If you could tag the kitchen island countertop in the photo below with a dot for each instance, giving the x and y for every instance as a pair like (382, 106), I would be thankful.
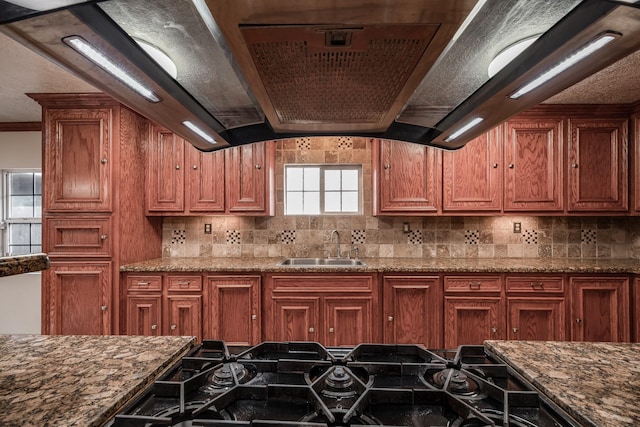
(78, 380)
(596, 383)
(414, 265)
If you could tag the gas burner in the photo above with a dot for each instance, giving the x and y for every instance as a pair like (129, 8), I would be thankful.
(223, 377)
(339, 383)
(459, 384)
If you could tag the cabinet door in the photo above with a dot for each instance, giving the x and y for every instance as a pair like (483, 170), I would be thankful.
(234, 310)
(184, 315)
(533, 176)
(347, 321)
(600, 309)
(79, 298)
(472, 175)
(472, 320)
(248, 176)
(413, 310)
(165, 173)
(598, 167)
(295, 319)
(144, 314)
(77, 160)
(205, 180)
(541, 319)
(78, 237)
(407, 178)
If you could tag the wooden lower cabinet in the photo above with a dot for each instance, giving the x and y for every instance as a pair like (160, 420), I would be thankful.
(232, 306)
(332, 309)
(536, 319)
(78, 298)
(144, 314)
(412, 310)
(599, 308)
(471, 320)
(184, 315)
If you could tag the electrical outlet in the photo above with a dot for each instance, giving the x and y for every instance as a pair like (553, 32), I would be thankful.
(517, 227)
(207, 229)
(405, 227)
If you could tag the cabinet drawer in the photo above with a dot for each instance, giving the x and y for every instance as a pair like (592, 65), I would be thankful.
(537, 284)
(144, 283)
(472, 284)
(79, 237)
(184, 283)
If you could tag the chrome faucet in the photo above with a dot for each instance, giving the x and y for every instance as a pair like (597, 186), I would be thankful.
(331, 241)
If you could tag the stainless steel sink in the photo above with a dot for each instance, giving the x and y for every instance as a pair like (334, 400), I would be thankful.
(322, 262)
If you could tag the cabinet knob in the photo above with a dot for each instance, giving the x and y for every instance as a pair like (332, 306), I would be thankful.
(195, 167)
(495, 165)
(578, 320)
(312, 330)
(494, 330)
(177, 167)
(574, 165)
(387, 166)
(390, 318)
(103, 237)
(103, 161)
(254, 317)
(173, 327)
(103, 308)
(154, 327)
(258, 167)
(475, 285)
(515, 330)
(331, 330)
(511, 165)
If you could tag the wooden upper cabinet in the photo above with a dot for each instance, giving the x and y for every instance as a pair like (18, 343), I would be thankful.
(165, 172)
(249, 171)
(205, 183)
(406, 178)
(598, 165)
(533, 157)
(77, 161)
(472, 175)
(634, 137)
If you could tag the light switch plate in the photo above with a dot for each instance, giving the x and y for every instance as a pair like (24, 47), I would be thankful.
(517, 227)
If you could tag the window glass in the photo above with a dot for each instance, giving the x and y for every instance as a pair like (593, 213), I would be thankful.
(21, 212)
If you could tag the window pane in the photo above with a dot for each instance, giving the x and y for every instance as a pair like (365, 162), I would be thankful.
(332, 180)
(36, 234)
(37, 186)
(20, 234)
(21, 207)
(311, 179)
(294, 203)
(19, 250)
(21, 183)
(332, 201)
(350, 201)
(350, 180)
(294, 179)
(312, 203)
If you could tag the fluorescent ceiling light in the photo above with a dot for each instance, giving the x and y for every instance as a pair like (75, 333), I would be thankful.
(463, 129)
(97, 57)
(42, 5)
(509, 54)
(161, 58)
(578, 56)
(200, 132)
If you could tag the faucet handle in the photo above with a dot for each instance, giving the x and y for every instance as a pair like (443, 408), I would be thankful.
(328, 252)
(354, 249)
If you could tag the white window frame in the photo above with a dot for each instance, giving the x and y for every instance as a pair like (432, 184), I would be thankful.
(5, 221)
(323, 168)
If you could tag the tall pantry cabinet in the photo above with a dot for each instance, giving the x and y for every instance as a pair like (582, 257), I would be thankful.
(94, 153)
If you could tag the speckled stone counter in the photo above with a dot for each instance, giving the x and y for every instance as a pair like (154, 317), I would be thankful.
(596, 383)
(78, 380)
(454, 265)
(10, 266)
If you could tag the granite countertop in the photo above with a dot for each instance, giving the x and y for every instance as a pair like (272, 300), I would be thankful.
(421, 265)
(596, 383)
(20, 264)
(78, 380)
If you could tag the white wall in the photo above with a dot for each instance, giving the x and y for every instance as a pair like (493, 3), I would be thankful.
(20, 296)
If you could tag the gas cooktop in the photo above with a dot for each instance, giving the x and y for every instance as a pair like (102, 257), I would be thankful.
(306, 384)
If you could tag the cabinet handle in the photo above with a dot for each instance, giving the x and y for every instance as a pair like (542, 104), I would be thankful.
(537, 285)
(154, 327)
(574, 165)
(195, 167)
(312, 330)
(494, 330)
(515, 330)
(331, 330)
(578, 320)
(387, 166)
(254, 317)
(103, 237)
(511, 165)
(258, 167)
(390, 318)
(140, 283)
(177, 167)
(495, 165)
(173, 327)
(103, 161)
(184, 282)
(475, 285)
(103, 307)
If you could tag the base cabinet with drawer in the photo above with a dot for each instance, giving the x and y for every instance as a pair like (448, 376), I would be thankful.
(332, 309)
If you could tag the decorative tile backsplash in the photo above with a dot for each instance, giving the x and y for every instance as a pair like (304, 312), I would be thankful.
(429, 237)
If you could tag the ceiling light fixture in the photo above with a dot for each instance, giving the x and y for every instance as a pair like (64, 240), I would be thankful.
(41, 5)
(98, 58)
(199, 132)
(160, 57)
(588, 49)
(463, 129)
(509, 54)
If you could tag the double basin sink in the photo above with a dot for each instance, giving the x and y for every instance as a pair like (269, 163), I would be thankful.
(321, 262)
